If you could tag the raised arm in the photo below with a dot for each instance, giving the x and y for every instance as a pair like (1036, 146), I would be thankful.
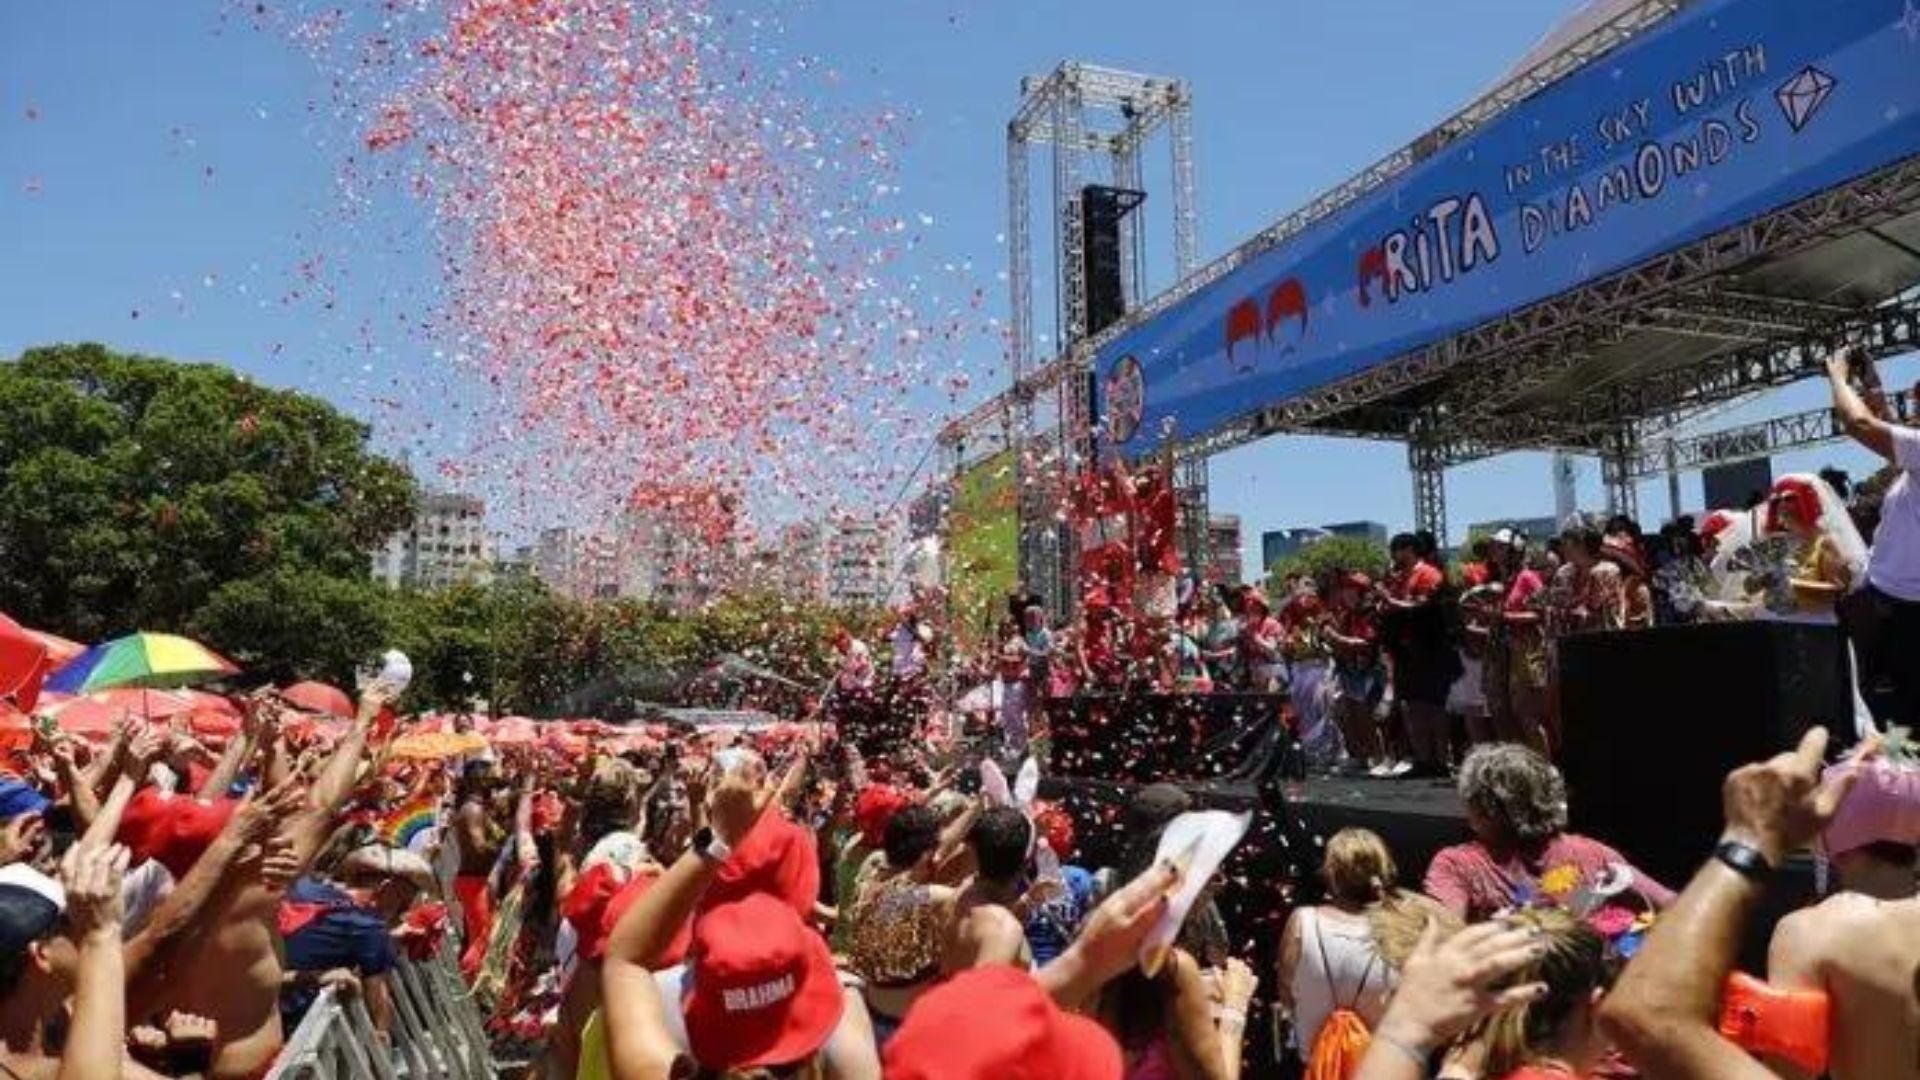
(1869, 430)
(193, 898)
(637, 1045)
(309, 829)
(97, 1030)
(1664, 1011)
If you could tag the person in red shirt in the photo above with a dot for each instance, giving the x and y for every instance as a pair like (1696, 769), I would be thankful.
(1359, 681)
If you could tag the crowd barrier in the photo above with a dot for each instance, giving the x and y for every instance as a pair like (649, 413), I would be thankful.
(437, 1032)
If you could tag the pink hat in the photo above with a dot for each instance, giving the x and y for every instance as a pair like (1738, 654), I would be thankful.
(1884, 805)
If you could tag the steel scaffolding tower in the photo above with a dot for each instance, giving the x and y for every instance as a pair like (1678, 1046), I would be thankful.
(1098, 123)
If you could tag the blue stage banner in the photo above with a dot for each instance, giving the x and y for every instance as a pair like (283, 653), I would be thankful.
(1731, 109)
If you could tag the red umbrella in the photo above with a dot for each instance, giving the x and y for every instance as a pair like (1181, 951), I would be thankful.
(513, 731)
(153, 704)
(213, 724)
(59, 649)
(23, 667)
(319, 698)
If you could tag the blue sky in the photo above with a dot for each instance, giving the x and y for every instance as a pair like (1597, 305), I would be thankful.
(162, 180)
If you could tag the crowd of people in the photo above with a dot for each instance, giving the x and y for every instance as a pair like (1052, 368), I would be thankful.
(733, 904)
(786, 903)
(1399, 676)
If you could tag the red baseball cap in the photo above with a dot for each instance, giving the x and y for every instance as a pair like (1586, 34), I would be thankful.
(761, 989)
(776, 856)
(995, 1023)
(174, 830)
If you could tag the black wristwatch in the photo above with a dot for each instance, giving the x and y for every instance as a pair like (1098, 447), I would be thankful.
(1744, 859)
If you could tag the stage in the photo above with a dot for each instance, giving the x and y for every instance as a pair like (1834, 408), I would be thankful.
(1416, 817)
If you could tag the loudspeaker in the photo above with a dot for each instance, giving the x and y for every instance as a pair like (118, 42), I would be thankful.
(1653, 720)
(1101, 209)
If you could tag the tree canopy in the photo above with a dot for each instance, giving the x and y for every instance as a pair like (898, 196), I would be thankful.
(1329, 554)
(141, 494)
(134, 489)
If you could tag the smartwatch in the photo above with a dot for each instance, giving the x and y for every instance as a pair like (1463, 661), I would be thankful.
(708, 845)
(1743, 859)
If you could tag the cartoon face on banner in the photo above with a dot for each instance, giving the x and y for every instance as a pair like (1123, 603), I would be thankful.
(1728, 110)
(1126, 396)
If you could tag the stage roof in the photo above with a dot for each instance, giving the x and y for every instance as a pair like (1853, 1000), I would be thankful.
(1811, 238)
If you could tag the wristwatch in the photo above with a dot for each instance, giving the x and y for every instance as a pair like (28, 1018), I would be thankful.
(1744, 859)
(708, 845)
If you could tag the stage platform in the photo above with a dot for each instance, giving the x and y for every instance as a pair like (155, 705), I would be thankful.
(1416, 817)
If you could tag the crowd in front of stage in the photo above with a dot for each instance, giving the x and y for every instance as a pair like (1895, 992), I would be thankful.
(775, 904)
(752, 906)
(1397, 676)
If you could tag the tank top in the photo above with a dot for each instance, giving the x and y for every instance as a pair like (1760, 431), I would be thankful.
(1339, 968)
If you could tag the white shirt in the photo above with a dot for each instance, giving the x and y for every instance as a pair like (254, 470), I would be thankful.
(1894, 565)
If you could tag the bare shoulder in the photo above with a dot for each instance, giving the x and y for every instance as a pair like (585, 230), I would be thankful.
(1804, 941)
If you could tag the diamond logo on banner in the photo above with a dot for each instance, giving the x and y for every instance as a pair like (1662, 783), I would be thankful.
(1802, 96)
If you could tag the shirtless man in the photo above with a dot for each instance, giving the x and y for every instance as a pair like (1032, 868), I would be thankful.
(478, 841)
(228, 970)
(1663, 1012)
(1862, 945)
(989, 914)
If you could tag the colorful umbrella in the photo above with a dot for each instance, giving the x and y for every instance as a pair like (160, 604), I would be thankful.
(320, 699)
(140, 660)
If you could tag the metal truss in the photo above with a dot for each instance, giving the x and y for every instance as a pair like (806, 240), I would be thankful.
(1092, 117)
(1667, 399)
(1196, 540)
(1426, 460)
(1623, 496)
(1765, 439)
(1604, 39)
(1531, 348)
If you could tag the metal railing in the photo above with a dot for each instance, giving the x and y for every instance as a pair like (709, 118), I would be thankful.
(437, 1032)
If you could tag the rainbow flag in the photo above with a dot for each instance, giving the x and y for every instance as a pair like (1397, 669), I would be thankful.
(419, 813)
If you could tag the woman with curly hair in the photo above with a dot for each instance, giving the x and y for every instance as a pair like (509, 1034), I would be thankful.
(1521, 853)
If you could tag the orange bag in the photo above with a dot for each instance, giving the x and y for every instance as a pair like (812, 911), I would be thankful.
(1339, 1047)
(1792, 1025)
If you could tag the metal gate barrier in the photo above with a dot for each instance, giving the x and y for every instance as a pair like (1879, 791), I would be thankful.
(437, 1032)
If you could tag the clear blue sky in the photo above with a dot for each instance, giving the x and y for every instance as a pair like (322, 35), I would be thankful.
(156, 160)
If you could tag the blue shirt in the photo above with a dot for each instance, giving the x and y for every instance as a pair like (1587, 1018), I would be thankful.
(336, 933)
(1052, 925)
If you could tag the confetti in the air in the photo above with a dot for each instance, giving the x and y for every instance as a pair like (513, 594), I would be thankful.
(662, 257)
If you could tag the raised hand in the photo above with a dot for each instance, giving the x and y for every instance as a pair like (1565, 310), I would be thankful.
(261, 812)
(1780, 805)
(279, 864)
(144, 750)
(91, 876)
(1447, 987)
(736, 803)
(1109, 943)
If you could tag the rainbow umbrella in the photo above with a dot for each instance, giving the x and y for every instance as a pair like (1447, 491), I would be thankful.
(140, 660)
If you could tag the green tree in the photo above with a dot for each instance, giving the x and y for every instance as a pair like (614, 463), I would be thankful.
(1326, 555)
(295, 623)
(134, 491)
